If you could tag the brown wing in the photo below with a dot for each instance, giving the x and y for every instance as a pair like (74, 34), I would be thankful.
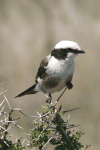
(42, 70)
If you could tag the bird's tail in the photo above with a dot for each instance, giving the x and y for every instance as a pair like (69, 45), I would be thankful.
(30, 90)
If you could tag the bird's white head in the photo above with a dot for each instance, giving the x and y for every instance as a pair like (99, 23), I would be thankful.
(67, 44)
(66, 49)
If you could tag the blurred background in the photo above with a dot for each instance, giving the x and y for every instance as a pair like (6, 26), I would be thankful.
(29, 30)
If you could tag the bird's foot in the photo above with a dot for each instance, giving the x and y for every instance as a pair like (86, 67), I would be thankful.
(48, 100)
(69, 85)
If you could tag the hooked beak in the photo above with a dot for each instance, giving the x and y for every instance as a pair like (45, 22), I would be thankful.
(81, 51)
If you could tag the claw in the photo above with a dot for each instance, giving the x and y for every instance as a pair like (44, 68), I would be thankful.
(69, 85)
(49, 98)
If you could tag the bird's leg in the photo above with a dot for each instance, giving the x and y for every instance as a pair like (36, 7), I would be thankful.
(60, 96)
(69, 85)
(49, 98)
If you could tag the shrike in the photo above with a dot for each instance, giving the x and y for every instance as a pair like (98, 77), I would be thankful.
(56, 70)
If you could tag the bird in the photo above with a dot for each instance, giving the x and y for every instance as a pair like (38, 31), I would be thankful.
(56, 70)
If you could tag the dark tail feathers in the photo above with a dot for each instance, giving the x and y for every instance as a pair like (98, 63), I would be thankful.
(28, 91)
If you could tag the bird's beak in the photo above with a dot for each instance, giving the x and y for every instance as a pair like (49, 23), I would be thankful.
(78, 51)
(81, 51)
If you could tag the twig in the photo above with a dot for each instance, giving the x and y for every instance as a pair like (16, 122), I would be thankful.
(18, 125)
(22, 113)
(2, 83)
(7, 102)
(38, 113)
(2, 110)
(43, 106)
(34, 128)
(66, 136)
(41, 133)
(24, 141)
(72, 127)
(9, 129)
(43, 115)
(49, 140)
(26, 134)
(2, 128)
(87, 146)
(70, 110)
(7, 121)
(51, 127)
(17, 109)
(16, 118)
(9, 137)
(2, 102)
(3, 92)
(6, 143)
(60, 96)
(67, 120)
(33, 116)
(59, 109)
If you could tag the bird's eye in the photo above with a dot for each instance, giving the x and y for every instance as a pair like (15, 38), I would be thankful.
(69, 49)
(64, 50)
(58, 51)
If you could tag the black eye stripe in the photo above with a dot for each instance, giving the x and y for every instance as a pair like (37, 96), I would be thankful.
(64, 51)
(69, 49)
(59, 53)
(73, 50)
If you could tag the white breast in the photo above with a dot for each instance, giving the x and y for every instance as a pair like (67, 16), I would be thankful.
(57, 69)
(60, 68)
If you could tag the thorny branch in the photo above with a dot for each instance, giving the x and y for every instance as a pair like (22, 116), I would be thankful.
(7, 120)
(43, 119)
